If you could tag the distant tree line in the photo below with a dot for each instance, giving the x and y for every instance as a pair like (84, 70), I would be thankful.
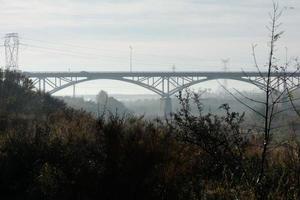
(102, 106)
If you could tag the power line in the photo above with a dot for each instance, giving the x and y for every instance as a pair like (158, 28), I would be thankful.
(111, 50)
(96, 56)
(108, 58)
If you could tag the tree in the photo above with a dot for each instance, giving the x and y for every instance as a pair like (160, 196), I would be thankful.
(101, 99)
(275, 91)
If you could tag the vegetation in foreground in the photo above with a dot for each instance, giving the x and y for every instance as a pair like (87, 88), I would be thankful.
(50, 151)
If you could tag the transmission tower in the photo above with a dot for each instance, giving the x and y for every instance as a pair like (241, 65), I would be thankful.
(225, 69)
(11, 44)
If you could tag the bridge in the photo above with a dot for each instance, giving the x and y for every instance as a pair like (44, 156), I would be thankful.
(165, 84)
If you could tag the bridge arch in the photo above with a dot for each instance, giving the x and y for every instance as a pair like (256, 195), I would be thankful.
(153, 89)
(156, 90)
(246, 80)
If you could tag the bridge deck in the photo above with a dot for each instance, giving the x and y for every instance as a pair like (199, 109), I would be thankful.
(154, 74)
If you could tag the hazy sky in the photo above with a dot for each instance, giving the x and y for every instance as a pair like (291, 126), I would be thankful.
(191, 34)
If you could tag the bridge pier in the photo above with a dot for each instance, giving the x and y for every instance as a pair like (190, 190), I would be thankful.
(166, 106)
(285, 97)
(74, 95)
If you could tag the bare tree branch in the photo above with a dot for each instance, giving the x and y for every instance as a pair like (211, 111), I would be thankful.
(246, 97)
(240, 101)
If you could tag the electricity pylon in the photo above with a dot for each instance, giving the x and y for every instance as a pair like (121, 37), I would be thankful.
(11, 44)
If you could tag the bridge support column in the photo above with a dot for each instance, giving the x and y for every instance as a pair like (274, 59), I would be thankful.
(44, 85)
(285, 97)
(74, 91)
(40, 84)
(166, 106)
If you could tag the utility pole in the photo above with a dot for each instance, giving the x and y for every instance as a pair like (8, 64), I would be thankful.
(130, 47)
(225, 69)
(11, 44)
(173, 68)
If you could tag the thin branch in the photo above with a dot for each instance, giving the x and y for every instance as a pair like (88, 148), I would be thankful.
(293, 105)
(256, 63)
(289, 99)
(250, 99)
(286, 109)
(254, 83)
(240, 101)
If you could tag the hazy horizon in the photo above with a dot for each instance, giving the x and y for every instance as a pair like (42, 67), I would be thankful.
(77, 35)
